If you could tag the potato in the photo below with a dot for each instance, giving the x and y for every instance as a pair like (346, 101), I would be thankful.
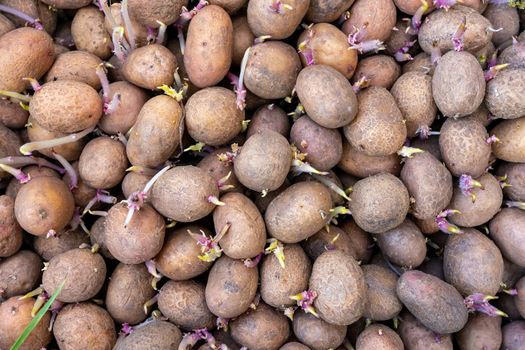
(97, 235)
(132, 99)
(411, 6)
(15, 316)
(379, 203)
(511, 134)
(44, 205)
(264, 161)
(231, 287)
(220, 170)
(84, 326)
(513, 335)
(67, 4)
(468, 154)
(279, 23)
(12, 115)
(379, 70)
(129, 288)
(417, 337)
(328, 238)
(231, 6)
(484, 53)
(421, 63)
(66, 106)
(520, 298)
(331, 180)
(75, 65)
(294, 346)
(455, 72)
(316, 333)
(361, 240)
(178, 258)
(150, 67)
(337, 106)
(29, 53)
(158, 334)
(269, 117)
(402, 38)
(329, 46)
(513, 55)
(140, 240)
(183, 193)
(34, 9)
(501, 98)
(134, 181)
(378, 129)
(82, 193)
(505, 231)
(33, 171)
(512, 273)
(481, 115)
(10, 230)
(157, 132)
(139, 31)
(378, 17)
(298, 212)
(487, 204)
(504, 17)
(209, 46)
(436, 304)
(379, 337)
(242, 34)
(362, 165)
(89, 33)
(515, 177)
(481, 331)
(5, 25)
(507, 304)
(381, 302)
(149, 13)
(50, 247)
(430, 184)
(19, 274)
(441, 25)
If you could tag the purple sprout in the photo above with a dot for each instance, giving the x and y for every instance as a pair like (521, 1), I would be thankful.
(417, 19)
(445, 226)
(35, 85)
(101, 196)
(210, 249)
(110, 105)
(515, 204)
(15, 12)
(467, 185)
(369, 46)
(493, 70)
(480, 302)
(190, 339)
(17, 173)
(402, 54)
(360, 84)
(28, 148)
(73, 177)
(127, 22)
(278, 7)
(185, 18)
(425, 132)
(29, 160)
(305, 300)
(445, 4)
(457, 38)
(238, 82)
(492, 139)
(151, 266)
(126, 329)
(305, 50)
(222, 323)
(253, 262)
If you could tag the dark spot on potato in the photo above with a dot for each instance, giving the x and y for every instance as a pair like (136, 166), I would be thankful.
(231, 287)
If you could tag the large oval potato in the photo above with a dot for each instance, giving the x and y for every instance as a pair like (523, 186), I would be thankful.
(504, 17)
(149, 13)
(382, 302)
(503, 99)
(506, 231)
(378, 17)
(278, 23)
(89, 32)
(511, 134)
(157, 334)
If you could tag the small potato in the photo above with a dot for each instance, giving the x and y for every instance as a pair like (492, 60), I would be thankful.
(381, 302)
(97, 235)
(140, 240)
(481, 331)
(150, 13)
(328, 238)
(421, 63)
(379, 337)
(150, 67)
(513, 335)
(12, 115)
(50, 247)
(504, 17)
(129, 288)
(82, 193)
(178, 258)
(361, 240)
(298, 212)
(378, 17)
(379, 203)
(272, 69)
(513, 55)
(487, 203)
(44, 205)
(511, 134)
(10, 230)
(458, 84)
(515, 177)
(19, 274)
(242, 35)
(134, 181)
(279, 283)
(67, 4)
(66, 106)
(84, 326)
(89, 33)
(184, 304)
(411, 6)
(221, 172)
(231, 287)
(231, 6)
(506, 231)
(418, 337)
(316, 333)
(294, 346)
(24, 52)
(430, 184)
(502, 98)
(209, 46)
(158, 334)
(436, 304)
(279, 24)
(75, 65)
(378, 70)
(362, 165)
(338, 105)
(269, 117)
(401, 39)
(183, 193)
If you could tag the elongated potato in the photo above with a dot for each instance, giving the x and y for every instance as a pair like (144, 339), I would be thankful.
(505, 229)
(403, 245)
(75, 65)
(382, 302)
(378, 17)
(89, 33)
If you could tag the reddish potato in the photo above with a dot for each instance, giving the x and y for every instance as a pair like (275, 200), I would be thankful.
(513, 335)
(481, 331)
(362, 165)
(418, 337)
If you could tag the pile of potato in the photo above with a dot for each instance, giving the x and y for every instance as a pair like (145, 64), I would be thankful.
(263, 174)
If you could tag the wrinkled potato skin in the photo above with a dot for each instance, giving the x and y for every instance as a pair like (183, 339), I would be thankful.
(507, 84)
(10, 230)
(417, 337)
(515, 173)
(379, 337)
(269, 117)
(209, 46)
(50, 247)
(75, 65)
(403, 245)
(511, 133)
(381, 302)
(89, 33)
(160, 335)
(27, 52)
(480, 332)
(379, 70)
(19, 274)
(316, 333)
(279, 26)
(505, 230)
(150, 67)
(327, 11)
(378, 16)
(149, 12)
(328, 238)
(362, 165)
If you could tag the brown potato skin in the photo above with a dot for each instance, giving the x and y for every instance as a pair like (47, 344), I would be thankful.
(89, 33)
(328, 238)
(379, 70)
(269, 117)
(505, 231)
(209, 44)
(10, 230)
(19, 274)
(295, 214)
(513, 335)
(12, 115)
(513, 55)
(33, 171)
(316, 333)
(294, 346)
(231, 287)
(327, 11)
(515, 173)
(158, 334)
(481, 331)
(82, 193)
(98, 236)
(420, 63)
(436, 304)
(411, 6)
(27, 52)
(231, 6)
(504, 17)
(5, 25)
(242, 36)
(278, 283)
(381, 302)
(338, 105)
(84, 326)
(362, 165)
(9, 146)
(75, 65)
(150, 67)
(379, 17)
(508, 83)
(430, 145)
(278, 25)
(66, 106)
(67, 4)
(361, 240)
(148, 13)
(129, 288)
(417, 337)
(48, 248)
(219, 170)
(379, 337)
(135, 182)
(178, 258)
(512, 136)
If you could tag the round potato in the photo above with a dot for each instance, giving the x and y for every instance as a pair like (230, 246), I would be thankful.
(150, 67)
(89, 32)
(12, 115)
(514, 55)
(161, 335)
(75, 65)
(378, 17)
(377, 70)
(480, 331)
(280, 22)
(379, 337)
(32, 171)
(511, 134)
(83, 193)
(269, 117)
(10, 230)
(505, 231)
(381, 303)
(404, 245)
(329, 238)
(48, 248)
(418, 337)
(502, 98)
(19, 274)
(316, 333)
(362, 165)
(504, 17)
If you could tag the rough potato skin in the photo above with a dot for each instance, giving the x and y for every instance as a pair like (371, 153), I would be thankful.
(421, 63)
(417, 337)
(278, 283)
(515, 173)
(231, 287)
(261, 329)
(84, 326)
(480, 332)
(328, 238)
(429, 182)
(150, 66)
(148, 13)
(159, 335)
(378, 129)
(67, 4)
(503, 99)
(327, 10)
(19, 274)
(269, 117)
(404, 245)
(298, 212)
(134, 182)
(33, 171)
(411, 6)
(513, 335)
(89, 33)
(327, 96)
(129, 288)
(316, 333)
(379, 337)
(184, 303)
(47, 248)
(272, 69)
(362, 165)
(181, 193)
(463, 147)
(381, 302)
(242, 35)
(279, 26)
(380, 70)
(66, 106)
(24, 52)
(10, 230)
(511, 134)
(378, 16)
(98, 236)
(209, 46)
(379, 203)
(436, 304)
(458, 84)
(506, 231)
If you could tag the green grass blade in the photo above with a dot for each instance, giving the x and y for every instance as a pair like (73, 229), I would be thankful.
(27, 331)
